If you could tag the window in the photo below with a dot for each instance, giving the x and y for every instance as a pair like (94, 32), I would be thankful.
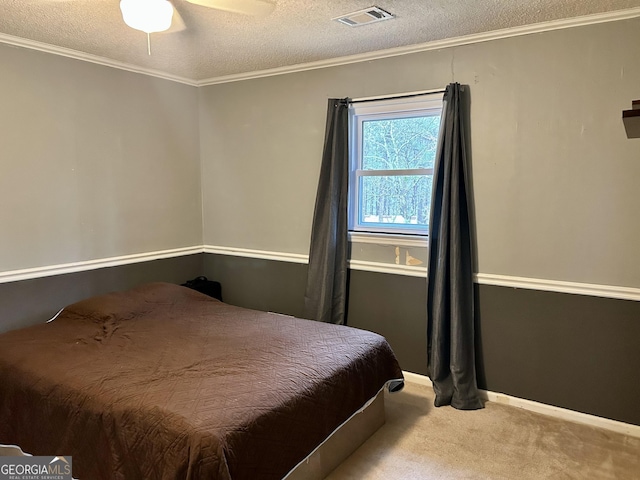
(392, 154)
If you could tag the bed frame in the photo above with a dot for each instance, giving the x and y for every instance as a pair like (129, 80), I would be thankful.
(345, 440)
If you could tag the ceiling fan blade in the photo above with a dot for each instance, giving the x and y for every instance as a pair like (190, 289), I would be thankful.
(177, 22)
(246, 7)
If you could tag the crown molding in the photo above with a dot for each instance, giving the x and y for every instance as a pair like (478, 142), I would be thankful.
(87, 57)
(584, 20)
(434, 45)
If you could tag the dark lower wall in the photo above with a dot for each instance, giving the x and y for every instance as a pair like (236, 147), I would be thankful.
(572, 351)
(259, 284)
(28, 302)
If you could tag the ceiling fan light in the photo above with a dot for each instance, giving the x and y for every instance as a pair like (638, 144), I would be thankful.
(147, 15)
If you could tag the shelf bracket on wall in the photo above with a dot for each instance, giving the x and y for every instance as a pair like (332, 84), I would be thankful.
(631, 119)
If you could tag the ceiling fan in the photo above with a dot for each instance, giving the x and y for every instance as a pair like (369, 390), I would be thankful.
(152, 16)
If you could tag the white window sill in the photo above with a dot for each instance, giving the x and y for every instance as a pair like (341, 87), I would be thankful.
(389, 239)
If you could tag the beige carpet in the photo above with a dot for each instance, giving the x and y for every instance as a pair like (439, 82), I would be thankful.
(420, 441)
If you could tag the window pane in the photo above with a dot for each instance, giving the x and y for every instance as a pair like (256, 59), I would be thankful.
(400, 200)
(400, 143)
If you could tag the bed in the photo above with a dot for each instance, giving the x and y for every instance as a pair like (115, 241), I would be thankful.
(164, 382)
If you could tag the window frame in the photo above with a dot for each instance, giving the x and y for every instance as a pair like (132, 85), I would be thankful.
(383, 109)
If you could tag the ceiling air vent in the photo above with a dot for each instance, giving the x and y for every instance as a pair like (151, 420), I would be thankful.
(364, 17)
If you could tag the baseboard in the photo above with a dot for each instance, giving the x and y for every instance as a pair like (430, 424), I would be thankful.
(542, 408)
(417, 379)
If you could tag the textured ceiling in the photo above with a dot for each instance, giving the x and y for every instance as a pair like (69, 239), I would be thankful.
(218, 43)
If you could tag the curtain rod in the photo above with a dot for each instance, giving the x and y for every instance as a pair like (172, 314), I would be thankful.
(393, 97)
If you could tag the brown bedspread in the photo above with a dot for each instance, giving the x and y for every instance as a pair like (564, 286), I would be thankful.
(164, 382)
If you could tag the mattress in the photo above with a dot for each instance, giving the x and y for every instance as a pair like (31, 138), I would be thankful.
(164, 382)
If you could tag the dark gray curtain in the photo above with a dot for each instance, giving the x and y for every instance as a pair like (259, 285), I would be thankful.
(450, 305)
(326, 294)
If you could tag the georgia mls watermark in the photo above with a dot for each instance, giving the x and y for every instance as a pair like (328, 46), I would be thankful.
(35, 468)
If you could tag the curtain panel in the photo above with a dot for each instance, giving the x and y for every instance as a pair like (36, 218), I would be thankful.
(450, 298)
(326, 292)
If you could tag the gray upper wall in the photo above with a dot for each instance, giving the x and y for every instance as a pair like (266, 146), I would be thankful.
(94, 162)
(555, 178)
(97, 162)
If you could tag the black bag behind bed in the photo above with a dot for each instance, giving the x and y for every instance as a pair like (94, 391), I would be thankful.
(206, 286)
